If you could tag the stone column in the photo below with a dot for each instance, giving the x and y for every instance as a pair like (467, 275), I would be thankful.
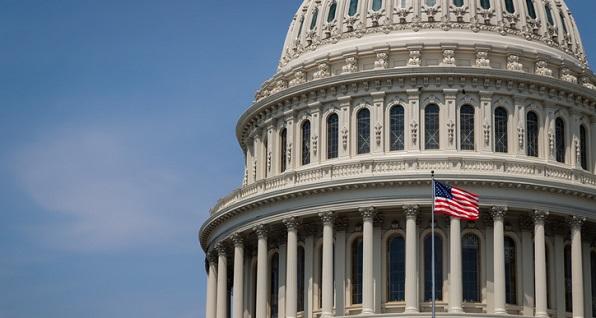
(587, 262)
(327, 270)
(340, 267)
(540, 264)
(211, 287)
(576, 266)
(455, 274)
(368, 215)
(308, 274)
(527, 265)
(498, 214)
(411, 257)
(238, 276)
(292, 268)
(262, 274)
(222, 282)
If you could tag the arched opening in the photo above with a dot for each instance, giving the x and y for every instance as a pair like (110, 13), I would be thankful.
(560, 140)
(532, 134)
(531, 9)
(485, 4)
(353, 8)
(471, 268)
(274, 286)
(332, 136)
(501, 129)
(363, 140)
(397, 128)
(428, 264)
(306, 142)
(332, 12)
(377, 5)
(431, 127)
(396, 269)
(467, 127)
(283, 149)
(300, 286)
(510, 271)
(357, 263)
(583, 144)
(568, 280)
(509, 6)
(313, 21)
(458, 3)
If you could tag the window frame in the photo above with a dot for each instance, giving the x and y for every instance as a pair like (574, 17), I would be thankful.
(332, 136)
(436, 135)
(501, 130)
(397, 128)
(305, 136)
(560, 140)
(467, 128)
(533, 133)
(363, 131)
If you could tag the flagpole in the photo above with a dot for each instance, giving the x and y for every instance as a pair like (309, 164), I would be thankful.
(433, 245)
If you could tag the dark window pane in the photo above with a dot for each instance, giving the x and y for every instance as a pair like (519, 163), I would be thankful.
(560, 140)
(274, 279)
(458, 3)
(563, 22)
(532, 134)
(283, 158)
(509, 6)
(363, 131)
(501, 136)
(431, 3)
(485, 4)
(431, 127)
(396, 136)
(428, 268)
(471, 268)
(549, 15)
(583, 144)
(510, 271)
(301, 27)
(300, 300)
(568, 280)
(531, 9)
(332, 11)
(377, 4)
(306, 143)
(353, 9)
(396, 269)
(357, 271)
(593, 263)
(467, 127)
(332, 136)
(313, 21)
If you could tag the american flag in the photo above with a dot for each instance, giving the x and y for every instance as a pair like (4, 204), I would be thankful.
(456, 202)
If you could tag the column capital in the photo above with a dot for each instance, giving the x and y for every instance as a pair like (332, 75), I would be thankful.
(221, 249)
(368, 214)
(540, 216)
(212, 257)
(261, 231)
(327, 217)
(411, 211)
(576, 222)
(498, 212)
(238, 240)
(291, 223)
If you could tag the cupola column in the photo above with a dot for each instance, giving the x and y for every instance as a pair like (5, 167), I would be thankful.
(262, 266)
(222, 282)
(327, 270)
(577, 279)
(540, 264)
(368, 215)
(411, 280)
(292, 267)
(455, 273)
(498, 213)
(211, 286)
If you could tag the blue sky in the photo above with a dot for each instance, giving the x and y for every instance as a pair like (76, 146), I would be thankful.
(117, 129)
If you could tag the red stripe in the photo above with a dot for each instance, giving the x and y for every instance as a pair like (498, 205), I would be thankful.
(472, 196)
(464, 197)
(446, 206)
(458, 204)
(453, 205)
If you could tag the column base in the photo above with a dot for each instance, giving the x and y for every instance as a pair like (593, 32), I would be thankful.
(367, 312)
(541, 315)
(456, 310)
(411, 310)
(500, 312)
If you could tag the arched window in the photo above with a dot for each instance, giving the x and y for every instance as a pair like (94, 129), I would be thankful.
(428, 268)
(377, 5)
(266, 149)
(313, 21)
(458, 3)
(467, 127)
(363, 119)
(568, 280)
(357, 271)
(485, 4)
(560, 140)
(283, 149)
(531, 9)
(353, 8)
(593, 265)
(332, 12)
(300, 287)
(501, 128)
(583, 145)
(332, 136)
(532, 134)
(510, 271)
(306, 142)
(401, 4)
(301, 27)
(549, 15)
(471, 268)
(431, 127)
(509, 6)
(563, 22)
(396, 124)
(396, 269)
(431, 3)
(274, 287)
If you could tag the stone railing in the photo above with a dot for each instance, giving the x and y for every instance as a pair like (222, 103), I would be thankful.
(409, 167)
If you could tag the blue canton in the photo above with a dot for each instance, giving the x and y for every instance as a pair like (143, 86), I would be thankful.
(442, 190)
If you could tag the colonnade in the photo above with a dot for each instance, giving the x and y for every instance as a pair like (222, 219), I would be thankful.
(217, 289)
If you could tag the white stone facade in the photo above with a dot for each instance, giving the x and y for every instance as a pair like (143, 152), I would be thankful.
(333, 215)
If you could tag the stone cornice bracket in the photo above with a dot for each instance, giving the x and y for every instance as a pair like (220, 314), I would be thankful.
(540, 216)
(498, 212)
(327, 217)
(368, 214)
(411, 211)
(237, 239)
(261, 231)
(221, 249)
(291, 223)
(576, 222)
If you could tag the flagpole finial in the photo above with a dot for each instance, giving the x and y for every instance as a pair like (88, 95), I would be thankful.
(432, 173)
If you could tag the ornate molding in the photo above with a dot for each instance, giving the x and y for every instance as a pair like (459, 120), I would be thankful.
(261, 230)
(540, 216)
(291, 223)
(368, 214)
(576, 222)
(498, 213)
(327, 217)
(411, 211)
(238, 240)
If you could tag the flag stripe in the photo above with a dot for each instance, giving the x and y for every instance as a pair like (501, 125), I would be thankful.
(456, 202)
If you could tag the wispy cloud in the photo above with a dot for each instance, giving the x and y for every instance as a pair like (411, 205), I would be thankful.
(106, 190)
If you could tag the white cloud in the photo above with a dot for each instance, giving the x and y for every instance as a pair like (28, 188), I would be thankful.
(106, 191)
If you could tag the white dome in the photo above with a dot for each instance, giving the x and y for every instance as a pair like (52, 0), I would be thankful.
(336, 27)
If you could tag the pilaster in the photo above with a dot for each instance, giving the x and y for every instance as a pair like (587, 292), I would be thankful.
(451, 109)
(486, 123)
(345, 121)
(377, 122)
(413, 134)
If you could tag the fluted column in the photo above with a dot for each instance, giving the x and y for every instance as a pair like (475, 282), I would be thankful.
(211, 287)
(411, 263)
(222, 282)
(540, 264)
(262, 267)
(368, 215)
(455, 274)
(238, 276)
(292, 268)
(577, 279)
(498, 214)
(327, 270)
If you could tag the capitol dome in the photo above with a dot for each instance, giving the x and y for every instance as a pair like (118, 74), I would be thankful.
(333, 217)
